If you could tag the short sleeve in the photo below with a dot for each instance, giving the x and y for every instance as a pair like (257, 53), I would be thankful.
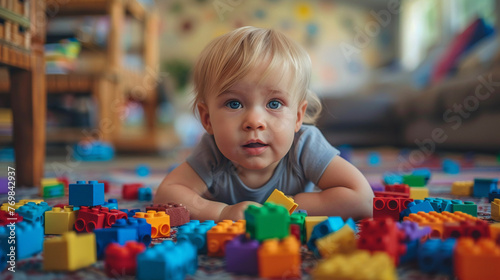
(205, 158)
(314, 152)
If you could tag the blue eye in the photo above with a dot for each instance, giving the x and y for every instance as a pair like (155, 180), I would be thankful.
(275, 104)
(233, 104)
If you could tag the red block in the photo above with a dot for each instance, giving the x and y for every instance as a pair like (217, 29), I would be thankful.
(106, 186)
(89, 219)
(111, 216)
(178, 213)
(400, 188)
(391, 194)
(295, 231)
(475, 230)
(6, 218)
(382, 235)
(389, 207)
(122, 260)
(131, 191)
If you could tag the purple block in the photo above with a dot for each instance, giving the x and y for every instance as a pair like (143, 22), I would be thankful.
(413, 231)
(241, 256)
(377, 187)
(4, 182)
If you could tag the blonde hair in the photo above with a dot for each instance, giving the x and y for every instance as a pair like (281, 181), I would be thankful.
(231, 56)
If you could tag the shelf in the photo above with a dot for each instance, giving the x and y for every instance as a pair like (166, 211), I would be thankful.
(9, 15)
(73, 83)
(65, 135)
(94, 7)
(13, 56)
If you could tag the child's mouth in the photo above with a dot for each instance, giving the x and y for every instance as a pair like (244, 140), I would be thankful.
(254, 145)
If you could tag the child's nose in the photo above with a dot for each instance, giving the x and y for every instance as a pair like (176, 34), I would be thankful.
(254, 120)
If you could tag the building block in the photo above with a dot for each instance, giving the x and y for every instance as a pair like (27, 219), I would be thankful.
(468, 207)
(462, 188)
(425, 172)
(399, 188)
(107, 186)
(414, 180)
(436, 256)
(359, 265)
(377, 187)
(495, 209)
(482, 187)
(89, 219)
(4, 185)
(167, 261)
(382, 235)
(311, 222)
(391, 194)
(342, 241)
(493, 194)
(296, 231)
(391, 178)
(436, 220)
(450, 166)
(34, 213)
(330, 225)
(219, 235)
(241, 256)
(474, 229)
(131, 213)
(414, 234)
(131, 191)
(268, 221)
(93, 151)
(476, 260)
(122, 260)
(299, 219)
(374, 159)
(69, 252)
(419, 192)
(389, 207)
(142, 170)
(196, 233)
(159, 221)
(143, 229)
(145, 194)
(179, 214)
(279, 259)
(60, 220)
(279, 198)
(86, 194)
(495, 233)
(415, 207)
(52, 187)
(106, 236)
(6, 218)
(111, 204)
(28, 239)
(7, 207)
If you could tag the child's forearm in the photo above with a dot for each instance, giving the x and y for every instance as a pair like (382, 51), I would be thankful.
(200, 208)
(337, 201)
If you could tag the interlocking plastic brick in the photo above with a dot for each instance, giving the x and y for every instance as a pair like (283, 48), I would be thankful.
(145, 194)
(342, 241)
(111, 204)
(60, 220)
(196, 233)
(398, 188)
(241, 256)
(7, 207)
(414, 234)
(159, 221)
(28, 239)
(391, 178)
(493, 194)
(122, 260)
(436, 256)
(34, 213)
(425, 172)
(332, 224)
(417, 206)
(6, 218)
(52, 187)
(495, 232)
(106, 236)
(131, 191)
(476, 260)
(462, 188)
(474, 229)
(268, 221)
(69, 252)
(279, 259)
(219, 235)
(384, 207)
(482, 186)
(436, 220)
(89, 219)
(450, 166)
(359, 265)
(468, 207)
(495, 209)
(86, 194)
(414, 180)
(439, 205)
(311, 222)
(167, 261)
(179, 214)
(279, 198)
(131, 212)
(419, 192)
(382, 235)
(299, 219)
(391, 194)
(143, 229)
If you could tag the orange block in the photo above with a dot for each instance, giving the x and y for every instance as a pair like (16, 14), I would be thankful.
(219, 235)
(159, 221)
(436, 220)
(280, 259)
(476, 260)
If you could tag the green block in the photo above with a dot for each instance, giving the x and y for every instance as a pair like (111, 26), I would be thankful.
(53, 191)
(414, 180)
(300, 219)
(266, 222)
(468, 207)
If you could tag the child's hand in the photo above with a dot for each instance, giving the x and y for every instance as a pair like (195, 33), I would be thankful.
(235, 212)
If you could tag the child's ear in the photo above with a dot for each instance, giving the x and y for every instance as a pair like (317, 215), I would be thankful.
(205, 117)
(300, 115)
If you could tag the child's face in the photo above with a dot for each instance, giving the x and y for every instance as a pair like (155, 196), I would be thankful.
(254, 123)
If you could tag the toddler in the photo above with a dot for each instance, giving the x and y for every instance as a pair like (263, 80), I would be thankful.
(251, 93)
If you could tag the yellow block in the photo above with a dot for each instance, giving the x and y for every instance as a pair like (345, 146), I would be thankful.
(463, 188)
(359, 265)
(59, 221)
(419, 192)
(24, 201)
(495, 209)
(495, 231)
(342, 241)
(50, 182)
(278, 197)
(6, 206)
(311, 222)
(69, 251)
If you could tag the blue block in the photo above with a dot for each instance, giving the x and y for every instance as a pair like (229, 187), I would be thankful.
(391, 178)
(142, 170)
(106, 236)
(3, 259)
(93, 151)
(145, 194)
(426, 172)
(130, 213)
(415, 207)
(451, 166)
(33, 212)
(332, 224)
(196, 233)
(483, 187)
(111, 204)
(143, 229)
(436, 256)
(28, 236)
(86, 194)
(167, 261)
(440, 205)
(374, 158)
(7, 155)
(300, 211)
(493, 194)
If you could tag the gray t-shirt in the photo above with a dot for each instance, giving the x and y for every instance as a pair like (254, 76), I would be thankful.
(298, 171)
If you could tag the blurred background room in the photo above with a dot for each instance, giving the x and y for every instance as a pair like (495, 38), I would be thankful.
(392, 74)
